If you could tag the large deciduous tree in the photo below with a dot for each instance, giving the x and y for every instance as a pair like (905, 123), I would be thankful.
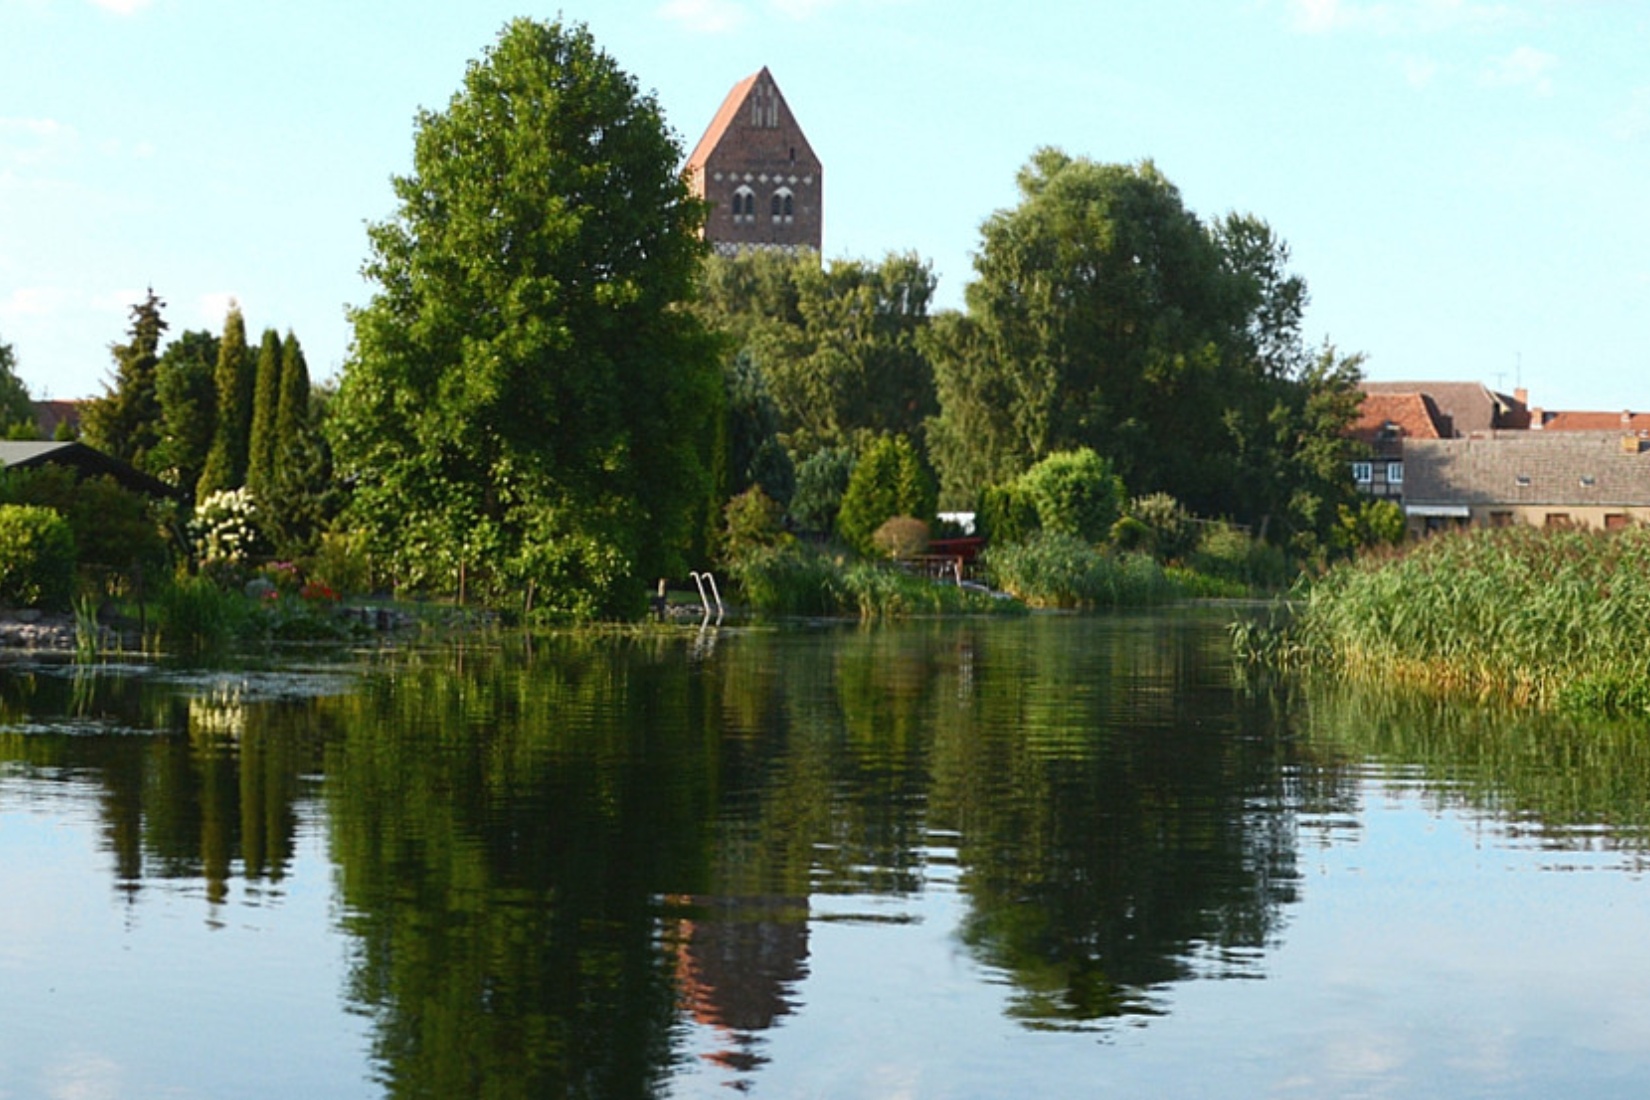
(1105, 314)
(125, 421)
(528, 403)
(836, 345)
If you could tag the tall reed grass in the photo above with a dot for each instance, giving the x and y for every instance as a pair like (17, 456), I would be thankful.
(196, 618)
(1064, 571)
(1555, 618)
(796, 579)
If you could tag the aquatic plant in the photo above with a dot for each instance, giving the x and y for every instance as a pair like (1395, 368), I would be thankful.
(1543, 617)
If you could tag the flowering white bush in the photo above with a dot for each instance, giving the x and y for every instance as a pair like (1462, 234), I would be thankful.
(223, 527)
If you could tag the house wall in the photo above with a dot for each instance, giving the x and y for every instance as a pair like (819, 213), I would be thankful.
(1592, 517)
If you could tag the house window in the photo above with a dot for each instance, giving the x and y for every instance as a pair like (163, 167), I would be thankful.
(1394, 473)
(1500, 519)
(1558, 519)
(1615, 521)
(1363, 472)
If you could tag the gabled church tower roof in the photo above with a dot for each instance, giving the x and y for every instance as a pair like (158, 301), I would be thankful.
(755, 167)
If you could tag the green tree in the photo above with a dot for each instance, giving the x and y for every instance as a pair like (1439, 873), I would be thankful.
(1105, 314)
(125, 421)
(266, 398)
(821, 479)
(234, 380)
(292, 408)
(837, 345)
(528, 404)
(16, 407)
(888, 480)
(188, 398)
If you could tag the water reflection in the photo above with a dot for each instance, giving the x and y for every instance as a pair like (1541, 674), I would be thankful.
(191, 786)
(612, 866)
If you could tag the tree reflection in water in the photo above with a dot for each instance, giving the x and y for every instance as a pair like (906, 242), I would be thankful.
(574, 869)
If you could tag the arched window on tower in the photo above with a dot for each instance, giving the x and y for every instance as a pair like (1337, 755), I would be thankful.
(744, 204)
(784, 205)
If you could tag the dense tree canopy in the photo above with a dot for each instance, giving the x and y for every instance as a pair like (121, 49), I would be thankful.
(1106, 315)
(836, 345)
(527, 401)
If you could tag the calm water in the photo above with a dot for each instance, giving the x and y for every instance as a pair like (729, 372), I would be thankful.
(1054, 857)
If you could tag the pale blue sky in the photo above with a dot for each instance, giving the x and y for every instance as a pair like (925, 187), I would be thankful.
(1464, 183)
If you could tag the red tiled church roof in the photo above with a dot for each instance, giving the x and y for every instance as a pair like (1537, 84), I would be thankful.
(724, 118)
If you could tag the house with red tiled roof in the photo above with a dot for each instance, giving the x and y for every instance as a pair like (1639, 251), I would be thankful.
(765, 186)
(1548, 420)
(1385, 422)
(1464, 407)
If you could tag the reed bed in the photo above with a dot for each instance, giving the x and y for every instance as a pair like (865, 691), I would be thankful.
(1550, 618)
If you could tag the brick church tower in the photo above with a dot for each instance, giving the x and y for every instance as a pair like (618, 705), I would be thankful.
(756, 169)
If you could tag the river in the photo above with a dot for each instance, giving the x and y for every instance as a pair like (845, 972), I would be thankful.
(1052, 856)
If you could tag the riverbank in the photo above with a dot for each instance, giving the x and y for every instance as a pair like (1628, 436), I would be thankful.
(1538, 618)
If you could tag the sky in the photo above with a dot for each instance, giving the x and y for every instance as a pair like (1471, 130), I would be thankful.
(1464, 184)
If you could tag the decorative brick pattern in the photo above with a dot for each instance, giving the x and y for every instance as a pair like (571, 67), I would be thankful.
(756, 169)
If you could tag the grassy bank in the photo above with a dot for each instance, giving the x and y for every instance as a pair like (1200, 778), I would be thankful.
(1549, 618)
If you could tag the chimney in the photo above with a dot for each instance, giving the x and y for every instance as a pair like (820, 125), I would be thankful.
(1627, 418)
(1521, 395)
(1538, 419)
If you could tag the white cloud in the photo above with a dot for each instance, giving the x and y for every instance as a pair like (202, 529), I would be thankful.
(1633, 121)
(705, 16)
(34, 301)
(1418, 71)
(801, 9)
(1398, 16)
(122, 7)
(1526, 67)
(34, 140)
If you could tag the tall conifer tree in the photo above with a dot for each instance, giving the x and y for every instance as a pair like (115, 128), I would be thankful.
(292, 408)
(125, 421)
(226, 464)
(260, 466)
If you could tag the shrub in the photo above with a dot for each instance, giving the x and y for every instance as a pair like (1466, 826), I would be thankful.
(1075, 493)
(1007, 514)
(1230, 554)
(225, 528)
(751, 520)
(37, 557)
(115, 529)
(901, 537)
(342, 562)
(1173, 531)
